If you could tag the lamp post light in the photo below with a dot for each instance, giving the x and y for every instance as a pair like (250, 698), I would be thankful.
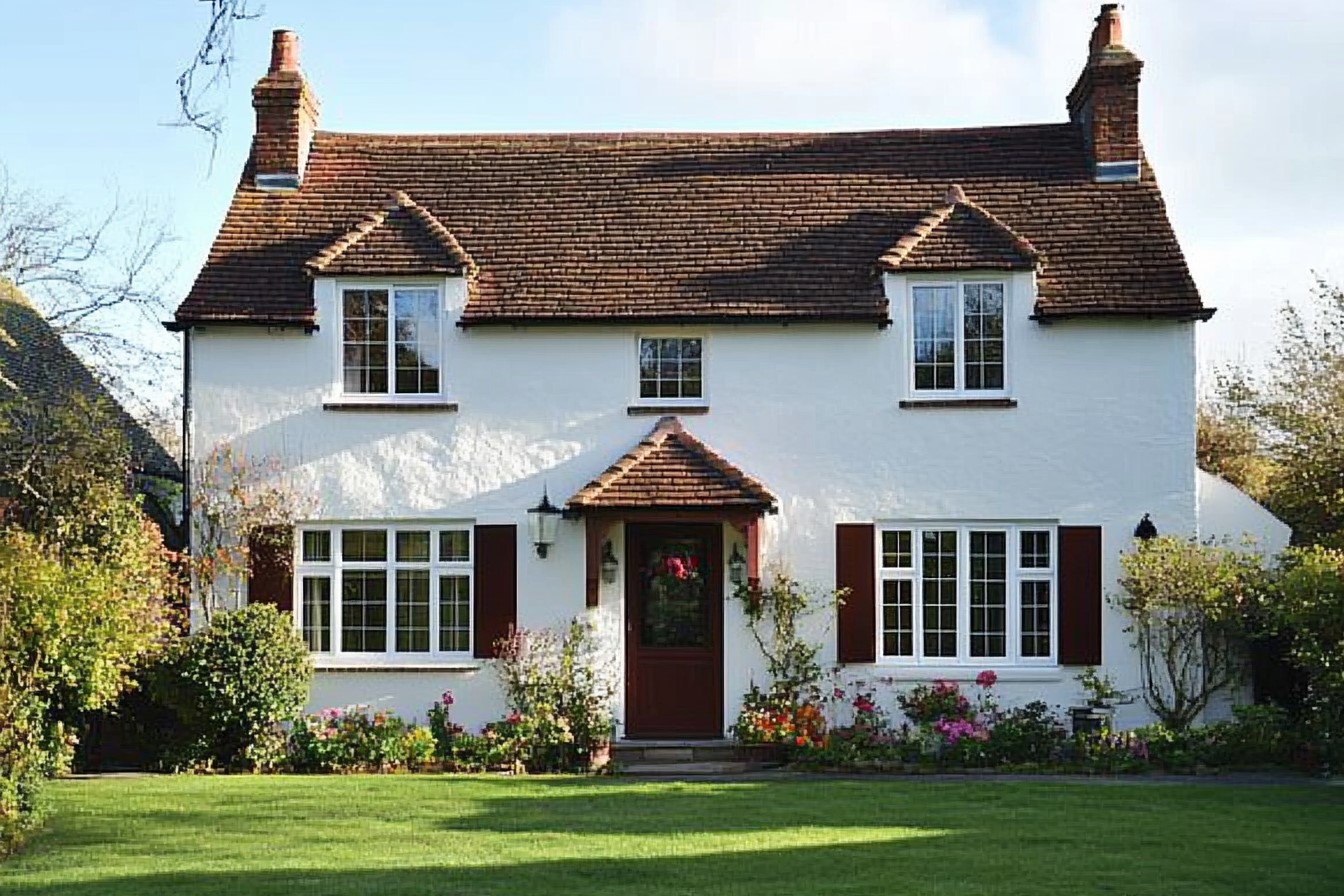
(542, 522)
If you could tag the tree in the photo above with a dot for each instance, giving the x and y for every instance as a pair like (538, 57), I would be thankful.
(1187, 603)
(211, 65)
(1297, 409)
(98, 282)
(1227, 444)
(238, 503)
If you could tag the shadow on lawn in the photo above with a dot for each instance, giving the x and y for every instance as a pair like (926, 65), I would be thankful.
(865, 867)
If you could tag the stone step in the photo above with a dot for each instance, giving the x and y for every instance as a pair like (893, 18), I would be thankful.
(689, 758)
(685, 769)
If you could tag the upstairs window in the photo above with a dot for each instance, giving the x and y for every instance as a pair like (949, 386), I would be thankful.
(671, 368)
(957, 337)
(391, 340)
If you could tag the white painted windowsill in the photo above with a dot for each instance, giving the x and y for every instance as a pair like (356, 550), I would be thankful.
(907, 672)
(330, 664)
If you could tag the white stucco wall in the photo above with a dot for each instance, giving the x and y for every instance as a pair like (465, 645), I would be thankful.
(1104, 432)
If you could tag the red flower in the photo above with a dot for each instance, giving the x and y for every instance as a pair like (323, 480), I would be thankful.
(800, 741)
(986, 679)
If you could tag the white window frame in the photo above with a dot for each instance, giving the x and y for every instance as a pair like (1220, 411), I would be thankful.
(335, 568)
(702, 399)
(391, 396)
(1016, 575)
(959, 390)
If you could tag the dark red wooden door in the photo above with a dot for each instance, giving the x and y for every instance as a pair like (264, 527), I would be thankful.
(674, 631)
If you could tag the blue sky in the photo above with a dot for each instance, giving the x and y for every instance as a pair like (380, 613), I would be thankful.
(1238, 109)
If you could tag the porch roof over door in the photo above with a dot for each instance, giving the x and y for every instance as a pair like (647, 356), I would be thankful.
(672, 469)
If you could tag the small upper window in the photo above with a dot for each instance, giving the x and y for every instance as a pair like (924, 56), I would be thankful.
(391, 341)
(670, 368)
(957, 337)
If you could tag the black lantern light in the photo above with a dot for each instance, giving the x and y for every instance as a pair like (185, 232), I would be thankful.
(542, 521)
(1145, 530)
(610, 565)
(737, 567)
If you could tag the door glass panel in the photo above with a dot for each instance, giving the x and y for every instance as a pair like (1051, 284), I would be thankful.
(674, 597)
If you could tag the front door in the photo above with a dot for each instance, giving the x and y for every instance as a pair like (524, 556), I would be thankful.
(674, 631)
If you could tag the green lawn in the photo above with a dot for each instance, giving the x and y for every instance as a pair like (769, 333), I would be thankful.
(238, 836)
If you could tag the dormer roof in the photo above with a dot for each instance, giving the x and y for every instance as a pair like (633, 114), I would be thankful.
(959, 234)
(400, 237)
(670, 468)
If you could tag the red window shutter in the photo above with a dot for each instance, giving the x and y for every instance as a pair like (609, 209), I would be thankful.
(1080, 595)
(855, 570)
(495, 610)
(270, 567)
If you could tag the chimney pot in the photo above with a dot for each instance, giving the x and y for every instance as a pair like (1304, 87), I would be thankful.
(284, 52)
(1107, 33)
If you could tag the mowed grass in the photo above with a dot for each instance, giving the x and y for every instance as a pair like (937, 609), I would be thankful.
(238, 836)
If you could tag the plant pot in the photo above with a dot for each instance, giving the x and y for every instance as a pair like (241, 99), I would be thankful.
(1090, 719)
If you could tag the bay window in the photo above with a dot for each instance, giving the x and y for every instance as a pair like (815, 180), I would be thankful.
(967, 593)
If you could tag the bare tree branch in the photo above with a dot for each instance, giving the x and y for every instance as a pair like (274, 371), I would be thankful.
(211, 66)
(100, 283)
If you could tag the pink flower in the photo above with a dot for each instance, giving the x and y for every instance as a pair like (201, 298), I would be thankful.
(447, 698)
(987, 678)
(676, 567)
(838, 693)
(513, 718)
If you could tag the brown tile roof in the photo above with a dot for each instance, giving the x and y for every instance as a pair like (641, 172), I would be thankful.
(671, 468)
(666, 227)
(958, 235)
(402, 237)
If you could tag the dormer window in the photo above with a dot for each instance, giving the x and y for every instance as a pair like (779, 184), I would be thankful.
(957, 337)
(671, 369)
(391, 341)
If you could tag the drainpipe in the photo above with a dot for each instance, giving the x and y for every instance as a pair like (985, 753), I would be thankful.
(186, 440)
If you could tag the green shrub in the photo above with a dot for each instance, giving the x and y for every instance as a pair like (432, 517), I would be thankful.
(232, 685)
(23, 766)
(353, 739)
(559, 688)
(1026, 734)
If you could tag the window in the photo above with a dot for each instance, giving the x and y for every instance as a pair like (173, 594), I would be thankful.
(968, 593)
(399, 592)
(957, 337)
(391, 341)
(671, 368)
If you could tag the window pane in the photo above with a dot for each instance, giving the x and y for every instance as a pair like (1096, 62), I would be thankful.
(316, 547)
(670, 368)
(317, 613)
(413, 610)
(413, 547)
(940, 592)
(454, 614)
(896, 550)
(364, 611)
(1036, 619)
(934, 337)
(982, 332)
(416, 325)
(1035, 550)
(364, 545)
(898, 618)
(364, 335)
(454, 546)
(989, 593)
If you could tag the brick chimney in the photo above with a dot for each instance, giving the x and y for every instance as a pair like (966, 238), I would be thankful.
(1105, 102)
(286, 118)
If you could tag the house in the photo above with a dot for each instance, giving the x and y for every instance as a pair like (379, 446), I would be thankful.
(947, 370)
(37, 367)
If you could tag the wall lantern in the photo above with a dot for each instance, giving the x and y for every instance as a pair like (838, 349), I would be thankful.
(737, 567)
(542, 521)
(609, 563)
(1145, 529)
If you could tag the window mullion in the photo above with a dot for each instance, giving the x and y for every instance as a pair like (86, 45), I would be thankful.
(917, 594)
(1013, 604)
(391, 342)
(959, 353)
(435, 574)
(963, 591)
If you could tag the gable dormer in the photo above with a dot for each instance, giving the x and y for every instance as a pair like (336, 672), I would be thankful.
(400, 238)
(959, 234)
